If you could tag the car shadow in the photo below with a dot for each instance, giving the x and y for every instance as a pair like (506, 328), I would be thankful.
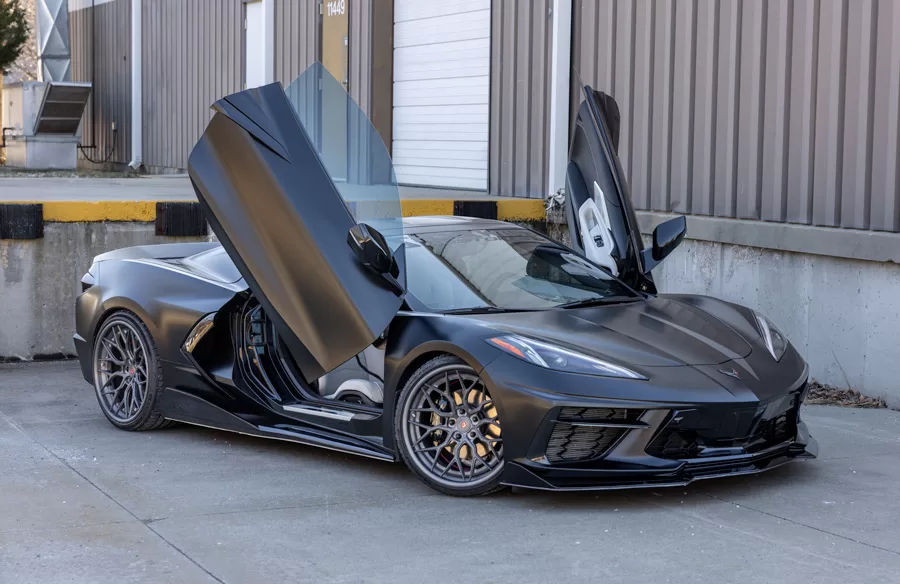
(777, 480)
(295, 452)
(711, 491)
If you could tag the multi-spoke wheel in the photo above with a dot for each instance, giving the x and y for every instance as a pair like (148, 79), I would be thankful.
(448, 429)
(127, 375)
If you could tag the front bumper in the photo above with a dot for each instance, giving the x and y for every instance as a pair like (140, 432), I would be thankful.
(644, 434)
(534, 475)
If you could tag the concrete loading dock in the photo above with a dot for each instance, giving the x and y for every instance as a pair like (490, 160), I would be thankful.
(832, 291)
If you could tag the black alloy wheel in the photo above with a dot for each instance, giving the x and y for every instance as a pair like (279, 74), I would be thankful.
(448, 429)
(127, 373)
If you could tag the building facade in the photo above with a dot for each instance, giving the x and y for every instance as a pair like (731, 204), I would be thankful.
(775, 124)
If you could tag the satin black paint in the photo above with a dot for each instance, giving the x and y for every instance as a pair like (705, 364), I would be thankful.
(678, 342)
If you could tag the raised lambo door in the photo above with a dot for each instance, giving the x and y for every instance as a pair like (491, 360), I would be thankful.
(601, 218)
(322, 256)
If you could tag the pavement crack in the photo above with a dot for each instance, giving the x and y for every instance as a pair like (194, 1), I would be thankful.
(65, 463)
(807, 526)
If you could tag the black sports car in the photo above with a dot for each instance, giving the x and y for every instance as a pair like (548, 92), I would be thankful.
(480, 353)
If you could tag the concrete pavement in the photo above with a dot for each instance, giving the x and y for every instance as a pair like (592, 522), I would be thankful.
(47, 189)
(83, 502)
(176, 187)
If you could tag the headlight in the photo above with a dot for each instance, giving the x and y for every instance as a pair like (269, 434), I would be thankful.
(775, 342)
(558, 358)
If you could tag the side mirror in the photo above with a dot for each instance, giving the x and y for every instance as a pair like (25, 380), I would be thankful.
(666, 237)
(373, 252)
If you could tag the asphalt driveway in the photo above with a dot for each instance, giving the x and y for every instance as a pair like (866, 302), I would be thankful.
(83, 502)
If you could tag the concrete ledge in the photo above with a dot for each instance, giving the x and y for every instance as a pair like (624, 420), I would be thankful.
(40, 278)
(855, 244)
(145, 211)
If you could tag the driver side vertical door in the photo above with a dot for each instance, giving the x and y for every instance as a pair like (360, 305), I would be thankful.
(262, 176)
(601, 218)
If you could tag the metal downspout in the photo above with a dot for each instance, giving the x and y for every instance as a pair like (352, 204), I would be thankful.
(560, 66)
(137, 117)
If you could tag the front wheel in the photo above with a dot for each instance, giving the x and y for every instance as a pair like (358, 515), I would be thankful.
(127, 373)
(448, 430)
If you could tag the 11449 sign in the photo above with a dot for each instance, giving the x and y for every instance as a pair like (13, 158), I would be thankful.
(336, 7)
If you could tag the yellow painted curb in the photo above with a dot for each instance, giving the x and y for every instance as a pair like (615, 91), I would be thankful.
(95, 211)
(521, 209)
(423, 207)
(145, 211)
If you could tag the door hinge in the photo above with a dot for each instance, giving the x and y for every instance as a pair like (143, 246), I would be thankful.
(257, 332)
(321, 8)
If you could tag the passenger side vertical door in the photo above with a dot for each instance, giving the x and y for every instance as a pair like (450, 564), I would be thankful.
(601, 218)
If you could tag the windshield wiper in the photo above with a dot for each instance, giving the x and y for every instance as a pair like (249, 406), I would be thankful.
(604, 301)
(483, 310)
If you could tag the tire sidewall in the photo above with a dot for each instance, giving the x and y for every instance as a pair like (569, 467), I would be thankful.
(400, 428)
(153, 377)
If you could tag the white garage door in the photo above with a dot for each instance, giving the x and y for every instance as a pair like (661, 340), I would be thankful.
(442, 58)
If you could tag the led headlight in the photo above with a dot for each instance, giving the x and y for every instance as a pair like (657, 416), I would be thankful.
(558, 358)
(775, 342)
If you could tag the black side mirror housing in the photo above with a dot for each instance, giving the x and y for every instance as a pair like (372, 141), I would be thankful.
(666, 237)
(373, 252)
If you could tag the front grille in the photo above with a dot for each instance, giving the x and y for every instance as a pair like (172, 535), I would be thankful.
(599, 415)
(697, 436)
(673, 444)
(777, 429)
(570, 442)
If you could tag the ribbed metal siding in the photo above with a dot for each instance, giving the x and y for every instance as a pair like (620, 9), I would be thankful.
(360, 77)
(520, 96)
(111, 96)
(782, 110)
(193, 55)
(296, 37)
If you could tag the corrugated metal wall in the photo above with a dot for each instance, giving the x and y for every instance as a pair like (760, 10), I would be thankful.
(782, 110)
(193, 54)
(296, 37)
(111, 96)
(360, 79)
(520, 96)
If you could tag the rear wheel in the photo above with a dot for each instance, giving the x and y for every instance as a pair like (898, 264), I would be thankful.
(127, 373)
(448, 429)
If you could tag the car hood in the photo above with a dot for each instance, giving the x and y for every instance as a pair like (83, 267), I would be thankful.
(659, 332)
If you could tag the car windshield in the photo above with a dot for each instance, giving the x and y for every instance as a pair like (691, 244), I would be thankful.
(512, 268)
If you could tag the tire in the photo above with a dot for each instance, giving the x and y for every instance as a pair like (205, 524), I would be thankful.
(125, 357)
(440, 442)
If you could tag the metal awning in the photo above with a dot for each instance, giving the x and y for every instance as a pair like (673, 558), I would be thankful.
(62, 107)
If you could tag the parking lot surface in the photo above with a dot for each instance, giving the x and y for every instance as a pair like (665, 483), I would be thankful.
(83, 502)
